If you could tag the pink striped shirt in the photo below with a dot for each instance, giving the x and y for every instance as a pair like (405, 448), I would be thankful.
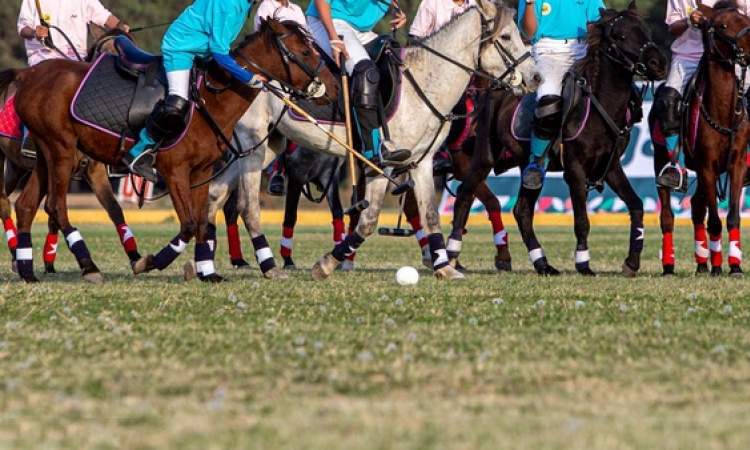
(690, 43)
(433, 14)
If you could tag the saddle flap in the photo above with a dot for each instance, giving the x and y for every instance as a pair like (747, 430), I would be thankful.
(149, 89)
(572, 94)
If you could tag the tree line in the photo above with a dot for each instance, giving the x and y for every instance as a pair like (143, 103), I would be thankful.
(150, 12)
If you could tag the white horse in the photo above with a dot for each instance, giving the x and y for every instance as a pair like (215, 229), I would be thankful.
(483, 38)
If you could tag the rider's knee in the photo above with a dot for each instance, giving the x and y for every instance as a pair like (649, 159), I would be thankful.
(548, 116)
(365, 87)
(169, 118)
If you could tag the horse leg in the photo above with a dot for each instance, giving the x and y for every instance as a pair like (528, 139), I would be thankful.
(619, 183)
(709, 178)
(575, 177)
(11, 233)
(177, 180)
(368, 220)
(736, 180)
(96, 176)
(499, 234)
(291, 204)
(27, 204)
(480, 168)
(524, 215)
(411, 211)
(250, 212)
(337, 219)
(49, 252)
(424, 192)
(231, 218)
(204, 248)
(358, 193)
(698, 211)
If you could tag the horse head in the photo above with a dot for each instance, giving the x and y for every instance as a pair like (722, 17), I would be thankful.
(503, 53)
(289, 58)
(726, 34)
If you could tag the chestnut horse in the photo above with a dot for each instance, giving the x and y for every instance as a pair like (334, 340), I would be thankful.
(44, 95)
(720, 144)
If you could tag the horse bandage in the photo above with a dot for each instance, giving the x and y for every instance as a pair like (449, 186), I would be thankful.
(536, 254)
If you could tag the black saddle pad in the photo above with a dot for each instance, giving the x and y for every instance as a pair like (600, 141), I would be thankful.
(385, 52)
(577, 111)
(114, 101)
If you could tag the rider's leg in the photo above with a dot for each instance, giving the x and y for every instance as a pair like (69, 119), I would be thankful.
(167, 119)
(277, 180)
(547, 117)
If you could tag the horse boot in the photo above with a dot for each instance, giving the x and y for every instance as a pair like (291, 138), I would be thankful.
(366, 99)
(671, 176)
(547, 118)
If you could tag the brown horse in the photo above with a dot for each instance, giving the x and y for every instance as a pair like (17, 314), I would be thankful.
(720, 144)
(45, 92)
(95, 174)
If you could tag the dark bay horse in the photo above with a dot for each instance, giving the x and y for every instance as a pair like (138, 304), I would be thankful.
(619, 48)
(43, 99)
(720, 142)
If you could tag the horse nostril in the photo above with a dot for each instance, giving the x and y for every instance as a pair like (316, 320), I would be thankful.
(537, 78)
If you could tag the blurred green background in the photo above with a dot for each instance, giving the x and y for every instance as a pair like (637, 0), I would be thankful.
(145, 12)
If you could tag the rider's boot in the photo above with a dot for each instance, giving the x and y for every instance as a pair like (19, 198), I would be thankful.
(672, 175)
(533, 174)
(140, 159)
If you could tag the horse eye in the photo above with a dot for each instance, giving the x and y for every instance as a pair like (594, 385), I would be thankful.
(505, 37)
(620, 37)
(306, 53)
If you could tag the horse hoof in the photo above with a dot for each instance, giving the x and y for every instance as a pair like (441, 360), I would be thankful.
(240, 264)
(449, 273)
(49, 268)
(628, 271)
(31, 279)
(347, 265)
(142, 265)
(213, 278)
(324, 267)
(667, 271)
(735, 272)
(189, 271)
(548, 271)
(586, 271)
(701, 269)
(275, 273)
(503, 265)
(290, 267)
(94, 277)
(716, 271)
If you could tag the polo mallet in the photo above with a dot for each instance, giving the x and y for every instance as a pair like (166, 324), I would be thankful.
(398, 231)
(399, 188)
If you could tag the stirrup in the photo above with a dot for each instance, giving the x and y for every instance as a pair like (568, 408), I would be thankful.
(143, 165)
(665, 181)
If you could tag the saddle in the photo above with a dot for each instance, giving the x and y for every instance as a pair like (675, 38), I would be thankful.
(385, 52)
(120, 91)
(689, 117)
(576, 108)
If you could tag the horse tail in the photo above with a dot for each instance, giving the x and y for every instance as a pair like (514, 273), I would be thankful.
(7, 77)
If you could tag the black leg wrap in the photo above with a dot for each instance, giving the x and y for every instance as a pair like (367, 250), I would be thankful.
(263, 254)
(168, 254)
(438, 253)
(24, 258)
(348, 246)
(211, 239)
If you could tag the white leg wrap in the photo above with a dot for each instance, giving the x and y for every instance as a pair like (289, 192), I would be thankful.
(536, 254)
(205, 267)
(180, 247)
(715, 246)
(10, 234)
(734, 250)
(24, 254)
(453, 245)
(700, 250)
(582, 256)
(442, 257)
(500, 237)
(73, 237)
(263, 254)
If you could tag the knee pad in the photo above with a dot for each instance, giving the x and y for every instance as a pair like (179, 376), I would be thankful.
(668, 110)
(548, 116)
(365, 85)
(169, 118)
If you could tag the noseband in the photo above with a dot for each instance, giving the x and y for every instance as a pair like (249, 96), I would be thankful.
(634, 64)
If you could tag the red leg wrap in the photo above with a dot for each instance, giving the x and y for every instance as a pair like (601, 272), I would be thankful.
(233, 239)
(715, 247)
(287, 242)
(667, 249)
(735, 248)
(701, 244)
(338, 230)
(50, 248)
(11, 234)
(127, 238)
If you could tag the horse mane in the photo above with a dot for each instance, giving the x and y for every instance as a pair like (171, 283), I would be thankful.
(266, 32)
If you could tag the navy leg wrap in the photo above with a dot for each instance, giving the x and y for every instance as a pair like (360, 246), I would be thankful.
(348, 246)
(24, 259)
(169, 253)
(437, 251)
(210, 240)
(204, 263)
(263, 254)
(636, 237)
(76, 245)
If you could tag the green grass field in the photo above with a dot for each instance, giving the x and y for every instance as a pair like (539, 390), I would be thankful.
(498, 361)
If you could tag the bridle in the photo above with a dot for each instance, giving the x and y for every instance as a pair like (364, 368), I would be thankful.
(634, 64)
(289, 58)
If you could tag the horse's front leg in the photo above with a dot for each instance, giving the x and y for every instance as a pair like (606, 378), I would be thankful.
(424, 193)
(575, 177)
(231, 219)
(621, 186)
(368, 220)
(736, 180)
(11, 233)
(708, 183)
(291, 205)
(499, 234)
(524, 215)
(666, 215)
(204, 241)
(27, 205)
(337, 219)
(698, 211)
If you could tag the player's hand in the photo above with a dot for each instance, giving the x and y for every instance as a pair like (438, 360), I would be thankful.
(696, 17)
(258, 81)
(399, 19)
(338, 49)
(41, 32)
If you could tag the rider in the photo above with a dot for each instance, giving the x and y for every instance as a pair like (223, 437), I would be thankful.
(282, 10)
(204, 29)
(431, 16)
(343, 27)
(683, 19)
(557, 29)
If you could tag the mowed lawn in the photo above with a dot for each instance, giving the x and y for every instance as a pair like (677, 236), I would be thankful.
(357, 362)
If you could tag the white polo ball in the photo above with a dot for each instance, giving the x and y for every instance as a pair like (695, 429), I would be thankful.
(407, 276)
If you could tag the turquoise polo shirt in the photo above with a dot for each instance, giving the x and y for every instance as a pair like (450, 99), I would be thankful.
(363, 15)
(562, 19)
(203, 28)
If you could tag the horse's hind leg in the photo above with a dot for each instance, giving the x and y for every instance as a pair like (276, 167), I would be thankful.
(666, 215)
(96, 176)
(736, 180)
(204, 255)
(27, 204)
(499, 234)
(621, 186)
(291, 204)
(411, 211)
(231, 218)
(709, 178)
(576, 179)
(337, 219)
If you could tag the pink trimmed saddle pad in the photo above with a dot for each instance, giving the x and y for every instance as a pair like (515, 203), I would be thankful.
(523, 118)
(10, 123)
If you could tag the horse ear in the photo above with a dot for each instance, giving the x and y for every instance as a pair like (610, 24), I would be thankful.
(632, 6)
(607, 14)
